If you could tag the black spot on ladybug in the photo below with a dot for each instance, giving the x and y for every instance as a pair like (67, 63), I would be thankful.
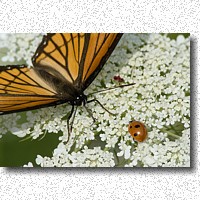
(135, 134)
(137, 126)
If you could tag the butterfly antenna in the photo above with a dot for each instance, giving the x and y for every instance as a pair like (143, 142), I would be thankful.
(112, 88)
(107, 89)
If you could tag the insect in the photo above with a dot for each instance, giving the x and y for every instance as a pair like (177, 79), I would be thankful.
(118, 78)
(137, 130)
(64, 65)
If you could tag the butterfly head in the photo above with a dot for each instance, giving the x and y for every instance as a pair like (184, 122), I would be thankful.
(80, 100)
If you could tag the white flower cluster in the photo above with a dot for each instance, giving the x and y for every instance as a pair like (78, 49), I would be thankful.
(18, 47)
(94, 157)
(7, 123)
(160, 99)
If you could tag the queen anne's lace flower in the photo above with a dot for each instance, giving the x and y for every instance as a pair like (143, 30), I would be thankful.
(157, 65)
(19, 47)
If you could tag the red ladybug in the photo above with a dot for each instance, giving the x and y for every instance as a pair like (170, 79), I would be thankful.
(137, 130)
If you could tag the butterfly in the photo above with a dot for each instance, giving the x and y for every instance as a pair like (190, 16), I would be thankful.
(64, 65)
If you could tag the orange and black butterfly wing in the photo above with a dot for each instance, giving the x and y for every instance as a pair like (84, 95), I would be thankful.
(22, 89)
(77, 58)
(100, 47)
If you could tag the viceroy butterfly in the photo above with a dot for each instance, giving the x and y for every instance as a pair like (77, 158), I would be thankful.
(64, 65)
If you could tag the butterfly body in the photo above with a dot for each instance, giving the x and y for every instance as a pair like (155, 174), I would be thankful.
(64, 90)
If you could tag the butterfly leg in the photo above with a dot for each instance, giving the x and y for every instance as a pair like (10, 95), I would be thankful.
(70, 125)
(73, 117)
(95, 100)
(90, 113)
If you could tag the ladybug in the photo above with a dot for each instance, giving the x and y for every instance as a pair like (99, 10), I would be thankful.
(137, 130)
